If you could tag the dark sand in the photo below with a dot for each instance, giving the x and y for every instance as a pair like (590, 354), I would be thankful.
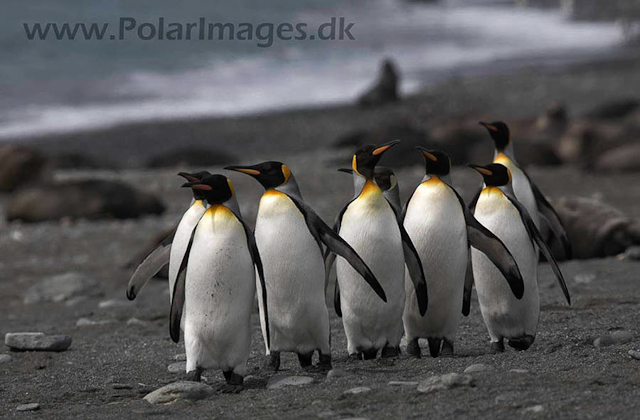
(566, 374)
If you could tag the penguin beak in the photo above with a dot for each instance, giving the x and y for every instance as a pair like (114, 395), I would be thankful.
(488, 126)
(427, 154)
(480, 169)
(189, 177)
(346, 170)
(381, 149)
(197, 185)
(249, 170)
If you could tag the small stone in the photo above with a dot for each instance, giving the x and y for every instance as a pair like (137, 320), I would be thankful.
(584, 278)
(136, 322)
(37, 341)
(634, 354)
(179, 391)
(535, 409)
(509, 399)
(4, 358)
(121, 386)
(279, 381)
(58, 288)
(448, 381)
(28, 407)
(478, 367)
(403, 383)
(357, 390)
(616, 337)
(327, 414)
(177, 367)
(113, 303)
(519, 371)
(180, 357)
(86, 322)
(553, 348)
(337, 373)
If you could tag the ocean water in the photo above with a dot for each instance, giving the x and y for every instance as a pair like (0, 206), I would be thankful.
(65, 85)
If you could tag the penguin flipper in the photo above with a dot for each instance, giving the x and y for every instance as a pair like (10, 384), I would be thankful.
(324, 234)
(336, 300)
(149, 267)
(414, 265)
(468, 287)
(329, 260)
(534, 233)
(177, 300)
(489, 244)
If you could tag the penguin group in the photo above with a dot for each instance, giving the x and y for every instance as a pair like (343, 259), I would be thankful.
(401, 270)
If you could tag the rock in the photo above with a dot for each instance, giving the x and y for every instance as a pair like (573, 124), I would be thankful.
(634, 354)
(509, 399)
(177, 367)
(584, 278)
(86, 322)
(357, 390)
(37, 341)
(191, 157)
(84, 199)
(20, 165)
(4, 358)
(385, 89)
(616, 337)
(121, 386)
(337, 373)
(279, 381)
(448, 381)
(478, 367)
(519, 371)
(624, 158)
(137, 322)
(28, 407)
(179, 391)
(535, 409)
(615, 109)
(553, 348)
(180, 357)
(403, 383)
(114, 303)
(58, 288)
(632, 253)
(80, 161)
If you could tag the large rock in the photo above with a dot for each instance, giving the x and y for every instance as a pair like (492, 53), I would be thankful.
(87, 199)
(448, 381)
(595, 229)
(58, 288)
(191, 157)
(179, 391)
(19, 165)
(385, 89)
(30, 341)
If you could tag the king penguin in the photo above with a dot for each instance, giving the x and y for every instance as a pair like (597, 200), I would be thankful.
(371, 225)
(442, 228)
(500, 212)
(525, 190)
(290, 236)
(160, 256)
(216, 287)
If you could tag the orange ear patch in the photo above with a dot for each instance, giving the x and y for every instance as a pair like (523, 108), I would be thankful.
(286, 172)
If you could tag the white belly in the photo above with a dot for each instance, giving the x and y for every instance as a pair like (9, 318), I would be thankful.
(435, 223)
(294, 273)
(370, 227)
(504, 315)
(219, 294)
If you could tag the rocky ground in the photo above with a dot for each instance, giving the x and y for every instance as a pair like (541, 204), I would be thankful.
(121, 350)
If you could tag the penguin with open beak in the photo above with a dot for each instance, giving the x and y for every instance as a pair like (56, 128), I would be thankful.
(291, 237)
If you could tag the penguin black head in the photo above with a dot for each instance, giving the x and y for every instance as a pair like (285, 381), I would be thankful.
(384, 177)
(194, 177)
(367, 157)
(436, 161)
(270, 174)
(495, 174)
(216, 189)
(499, 132)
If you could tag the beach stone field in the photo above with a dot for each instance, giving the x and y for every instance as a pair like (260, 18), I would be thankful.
(75, 347)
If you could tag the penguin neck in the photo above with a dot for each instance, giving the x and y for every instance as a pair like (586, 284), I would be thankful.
(290, 188)
(444, 178)
(507, 151)
(232, 204)
(358, 184)
(393, 197)
(507, 190)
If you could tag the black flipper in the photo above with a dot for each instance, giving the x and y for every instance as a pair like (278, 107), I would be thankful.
(489, 244)
(551, 218)
(468, 287)
(177, 300)
(336, 300)
(414, 265)
(534, 233)
(329, 261)
(149, 267)
(337, 245)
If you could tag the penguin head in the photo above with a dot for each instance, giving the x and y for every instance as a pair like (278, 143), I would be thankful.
(194, 177)
(270, 174)
(385, 177)
(436, 162)
(367, 157)
(499, 132)
(495, 174)
(216, 189)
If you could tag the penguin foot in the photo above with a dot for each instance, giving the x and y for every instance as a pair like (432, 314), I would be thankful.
(305, 360)
(354, 357)
(497, 347)
(194, 375)
(434, 346)
(370, 354)
(235, 383)
(272, 364)
(413, 348)
(325, 362)
(521, 343)
(447, 348)
(389, 352)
